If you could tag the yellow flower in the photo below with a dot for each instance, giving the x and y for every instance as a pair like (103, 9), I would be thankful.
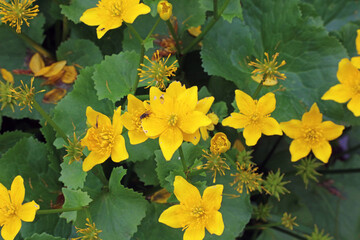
(254, 117)
(356, 60)
(174, 117)
(219, 143)
(204, 106)
(103, 139)
(215, 163)
(110, 14)
(25, 94)
(269, 69)
(16, 12)
(195, 213)
(247, 177)
(348, 88)
(158, 72)
(136, 112)
(12, 211)
(311, 134)
(88, 233)
(164, 8)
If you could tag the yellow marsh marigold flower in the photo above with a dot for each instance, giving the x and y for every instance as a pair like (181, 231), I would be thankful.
(110, 14)
(12, 211)
(269, 69)
(311, 134)
(158, 72)
(164, 9)
(195, 213)
(204, 106)
(348, 88)
(247, 177)
(215, 163)
(103, 139)
(136, 112)
(89, 233)
(174, 117)
(219, 143)
(254, 117)
(16, 12)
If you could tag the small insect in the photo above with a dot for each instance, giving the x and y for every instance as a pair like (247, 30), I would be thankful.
(97, 121)
(145, 115)
(102, 29)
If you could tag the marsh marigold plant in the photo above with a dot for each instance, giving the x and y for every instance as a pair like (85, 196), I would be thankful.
(195, 213)
(12, 211)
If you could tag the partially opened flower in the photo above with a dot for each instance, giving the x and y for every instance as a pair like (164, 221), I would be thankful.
(311, 134)
(348, 89)
(254, 117)
(195, 213)
(12, 211)
(110, 14)
(103, 139)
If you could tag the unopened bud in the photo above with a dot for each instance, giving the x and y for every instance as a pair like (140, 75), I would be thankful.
(164, 8)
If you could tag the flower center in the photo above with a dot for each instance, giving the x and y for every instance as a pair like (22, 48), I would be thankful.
(8, 210)
(312, 136)
(173, 119)
(198, 212)
(101, 139)
(254, 118)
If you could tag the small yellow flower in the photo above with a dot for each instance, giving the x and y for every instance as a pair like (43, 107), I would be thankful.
(219, 143)
(311, 134)
(254, 117)
(195, 213)
(158, 72)
(16, 12)
(247, 177)
(174, 117)
(356, 60)
(89, 233)
(348, 88)
(164, 9)
(110, 14)
(103, 139)
(12, 211)
(136, 112)
(25, 94)
(267, 71)
(215, 163)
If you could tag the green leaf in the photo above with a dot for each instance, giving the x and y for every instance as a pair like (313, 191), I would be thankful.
(145, 170)
(12, 49)
(232, 10)
(9, 139)
(72, 174)
(36, 29)
(141, 152)
(74, 198)
(77, 8)
(220, 109)
(43, 236)
(188, 13)
(71, 110)
(115, 76)
(79, 51)
(118, 212)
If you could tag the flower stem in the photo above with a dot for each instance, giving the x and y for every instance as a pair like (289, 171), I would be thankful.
(207, 28)
(35, 45)
(142, 53)
(136, 34)
(173, 33)
(293, 234)
(215, 3)
(257, 91)
(263, 226)
(340, 171)
(65, 31)
(58, 210)
(182, 157)
(153, 28)
(50, 121)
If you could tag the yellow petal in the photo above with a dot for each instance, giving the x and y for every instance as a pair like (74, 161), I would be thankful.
(236, 120)
(244, 102)
(154, 126)
(69, 75)
(170, 140)
(252, 133)
(194, 232)
(54, 95)
(204, 104)
(95, 118)
(55, 68)
(204, 133)
(128, 120)
(355, 61)
(36, 63)
(107, 24)
(266, 104)
(215, 223)
(11, 228)
(27, 211)
(175, 89)
(322, 151)
(186, 193)
(331, 130)
(93, 159)
(174, 216)
(354, 105)
(6, 75)
(347, 72)
(194, 138)
(339, 93)
(269, 81)
(135, 104)
(137, 136)
(4, 196)
(212, 197)
(193, 121)
(118, 151)
(187, 100)
(292, 128)
(313, 117)
(117, 123)
(357, 41)
(133, 12)
(92, 16)
(17, 192)
(269, 126)
(298, 149)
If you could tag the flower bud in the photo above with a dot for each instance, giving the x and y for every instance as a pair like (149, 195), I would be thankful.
(219, 143)
(164, 8)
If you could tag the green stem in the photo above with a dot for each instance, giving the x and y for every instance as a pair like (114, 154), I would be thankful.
(340, 171)
(207, 28)
(197, 172)
(215, 3)
(98, 171)
(50, 121)
(182, 157)
(288, 232)
(35, 45)
(257, 91)
(65, 30)
(173, 33)
(153, 28)
(263, 226)
(59, 210)
(142, 54)
(136, 34)
(230, 160)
